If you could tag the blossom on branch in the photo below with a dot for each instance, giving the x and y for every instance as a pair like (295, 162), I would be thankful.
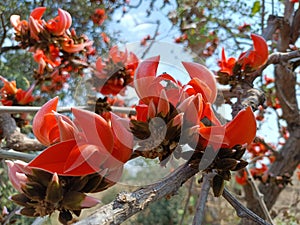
(11, 95)
(170, 113)
(115, 72)
(88, 145)
(232, 69)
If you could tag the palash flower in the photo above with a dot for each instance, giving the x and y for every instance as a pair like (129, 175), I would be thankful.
(226, 64)
(172, 113)
(70, 46)
(21, 26)
(36, 23)
(45, 126)
(25, 97)
(99, 16)
(241, 130)
(115, 72)
(202, 81)
(255, 57)
(168, 110)
(57, 26)
(9, 87)
(41, 193)
(247, 62)
(85, 156)
(11, 95)
(60, 24)
(87, 145)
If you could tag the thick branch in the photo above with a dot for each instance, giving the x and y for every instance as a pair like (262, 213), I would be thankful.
(127, 204)
(14, 138)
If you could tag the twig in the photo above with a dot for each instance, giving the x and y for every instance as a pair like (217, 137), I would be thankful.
(241, 210)
(275, 58)
(10, 215)
(127, 204)
(152, 42)
(4, 31)
(11, 154)
(259, 196)
(34, 109)
(200, 207)
(187, 201)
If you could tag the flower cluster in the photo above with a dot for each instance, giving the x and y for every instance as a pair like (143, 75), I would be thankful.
(262, 155)
(249, 61)
(245, 27)
(99, 17)
(171, 114)
(11, 95)
(57, 50)
(115, 72)
(89, 152)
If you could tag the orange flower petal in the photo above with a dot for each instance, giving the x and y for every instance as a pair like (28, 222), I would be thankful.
(200, 72)
(85, 159)
(123, 138)
(242, 129)
(145, 74)
(95, 128)
(53, 158)
(44, 121)
(38, 12)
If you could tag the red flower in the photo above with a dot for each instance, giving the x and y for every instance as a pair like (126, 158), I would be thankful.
(13, 96)
(105, 38)
(241, 178)
(88, 145)
(202, 81)
(115, 72)
(69, 46)
(255, 57)
(20, 26)
(241, 130)
(226, 65)
(181, 38)
(45, 127)
(244, 27)
(99, 17)
(25, 97)
(60, 24)
(17, 171)
(268, 80)
(9, 87)
(35, 23)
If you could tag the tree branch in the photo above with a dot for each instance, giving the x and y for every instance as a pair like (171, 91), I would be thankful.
(200, 207)
(127, 204)
(259, 196)
(241, 210)
(275, 58)
(14, 139)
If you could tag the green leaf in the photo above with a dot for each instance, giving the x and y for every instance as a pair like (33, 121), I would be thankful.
(255, 8)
